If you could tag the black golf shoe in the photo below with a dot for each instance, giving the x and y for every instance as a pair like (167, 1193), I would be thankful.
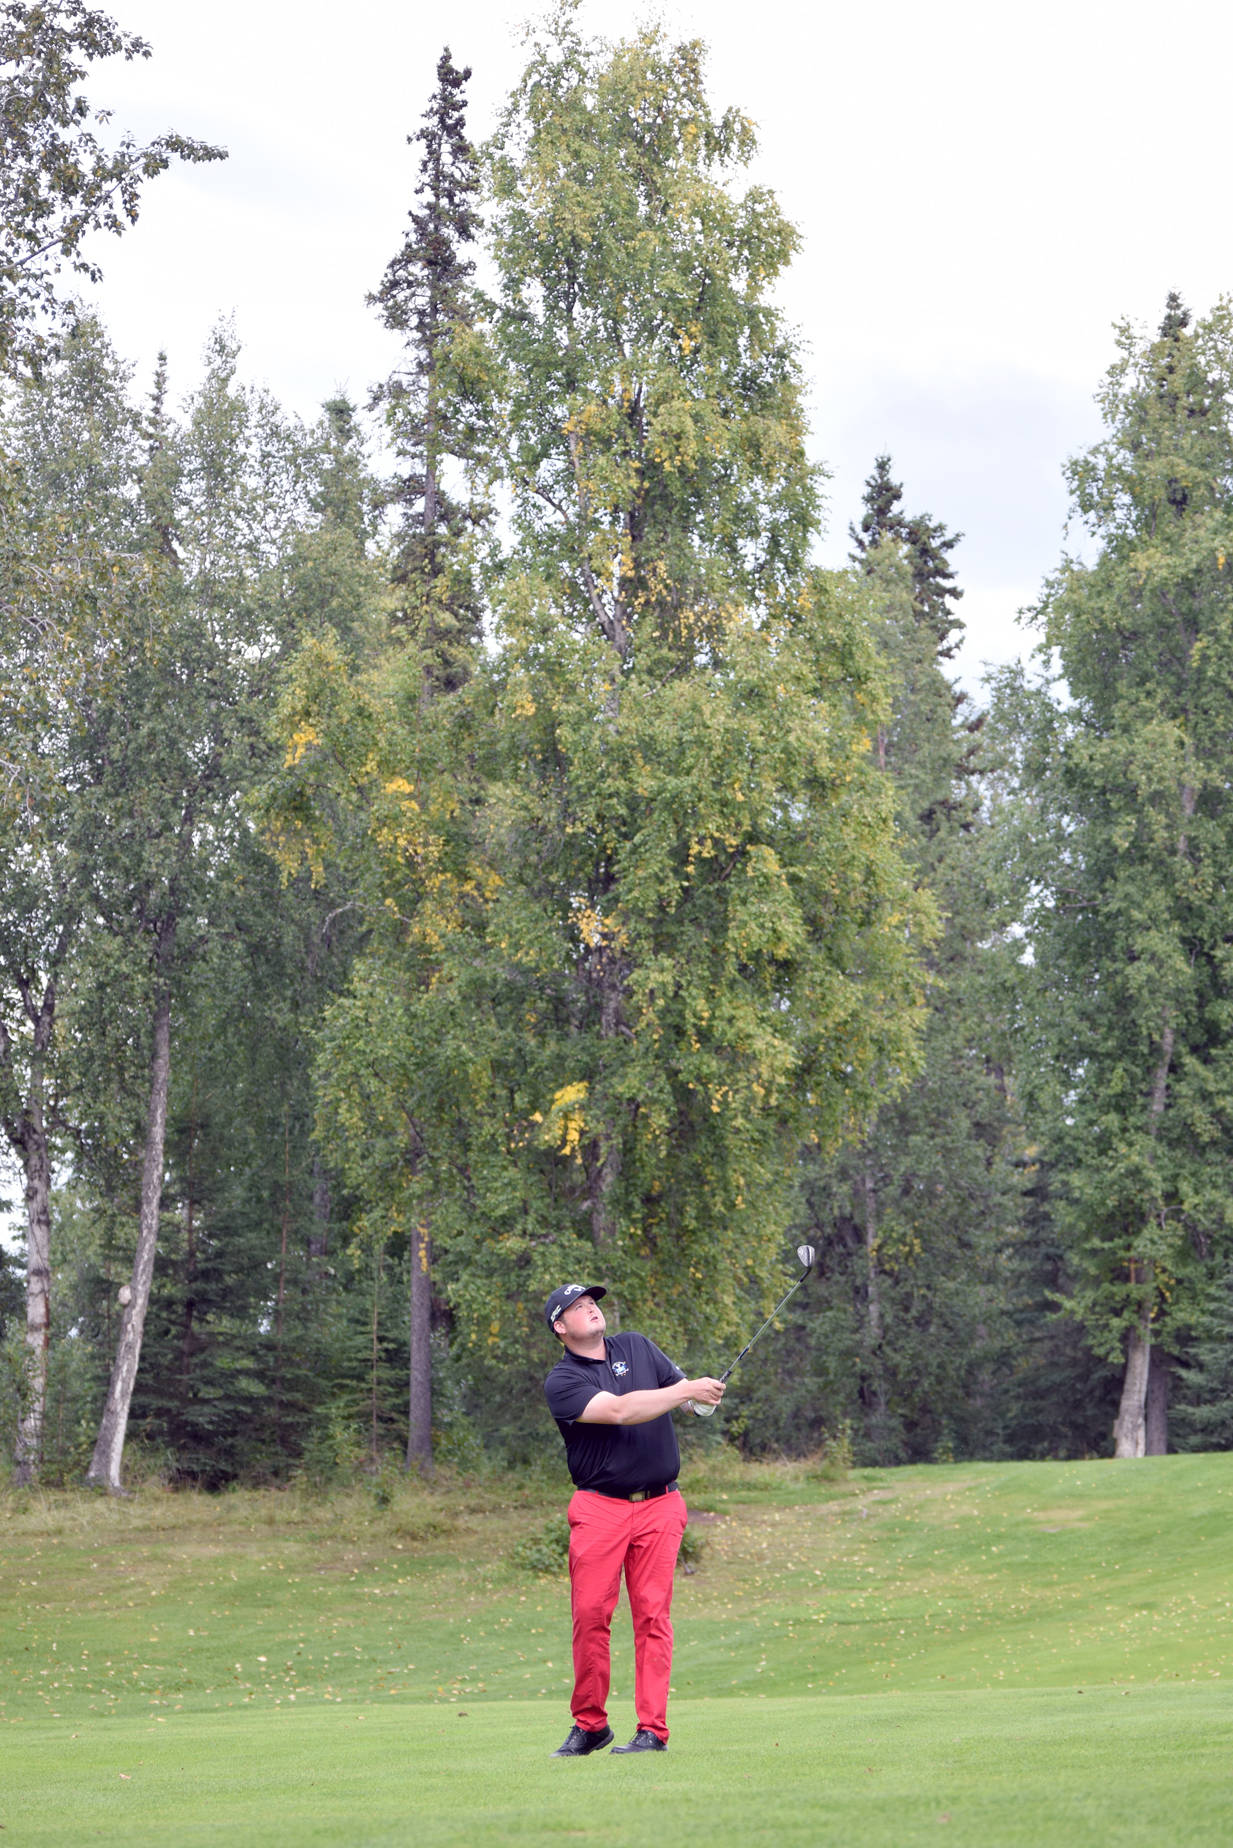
(643, 1741)
(580, 1742)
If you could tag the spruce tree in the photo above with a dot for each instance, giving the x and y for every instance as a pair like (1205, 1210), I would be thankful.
(928, 546)
(426, 298)
(1124, 833)
(1203, 1416)
(912, 1221)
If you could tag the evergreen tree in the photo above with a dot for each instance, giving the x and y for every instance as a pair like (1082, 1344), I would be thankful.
(927, 545)
(1123, 834)
(427, 298)
(1203, 1417)
(913, 1222)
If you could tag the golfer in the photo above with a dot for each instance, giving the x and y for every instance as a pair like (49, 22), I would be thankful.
(611, 1396)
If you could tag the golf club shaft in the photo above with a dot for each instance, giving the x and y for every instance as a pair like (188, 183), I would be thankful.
(770, 1318)
(806, 1256)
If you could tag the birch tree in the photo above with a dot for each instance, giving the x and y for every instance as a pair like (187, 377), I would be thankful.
(647, 863)
(70, 582)
(61, 181)
(174, 743)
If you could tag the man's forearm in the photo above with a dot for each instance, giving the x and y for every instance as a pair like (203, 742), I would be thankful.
(651, 1402)
(639, 1407)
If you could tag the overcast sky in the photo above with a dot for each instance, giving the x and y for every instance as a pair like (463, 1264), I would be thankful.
(982, 191)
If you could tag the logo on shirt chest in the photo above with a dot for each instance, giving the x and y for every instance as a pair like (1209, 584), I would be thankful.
(620, 1368)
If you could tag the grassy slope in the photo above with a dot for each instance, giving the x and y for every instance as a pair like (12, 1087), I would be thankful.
(278, 1670)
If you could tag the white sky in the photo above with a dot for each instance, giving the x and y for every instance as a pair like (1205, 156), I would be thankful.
(982, 189)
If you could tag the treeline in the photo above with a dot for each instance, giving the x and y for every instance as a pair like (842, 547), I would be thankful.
(465, 843)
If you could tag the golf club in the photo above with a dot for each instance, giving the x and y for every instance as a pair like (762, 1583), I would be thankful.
(805, 1255)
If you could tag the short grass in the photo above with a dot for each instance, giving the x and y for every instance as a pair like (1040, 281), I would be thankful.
(1028, 1653)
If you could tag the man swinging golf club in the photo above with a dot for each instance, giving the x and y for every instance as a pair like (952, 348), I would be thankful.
(612, 1396)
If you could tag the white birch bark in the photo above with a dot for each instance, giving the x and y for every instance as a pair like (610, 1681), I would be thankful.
(27, 1134)
(105, 1465)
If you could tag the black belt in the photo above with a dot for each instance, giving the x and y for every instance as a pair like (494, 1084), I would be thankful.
(665, 1488)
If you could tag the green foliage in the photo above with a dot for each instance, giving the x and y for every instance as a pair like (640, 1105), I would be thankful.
(639, 924)
(199, 549)
(653, 423)
(927, 546)
(432, 408)
(546, 1551)
(58, 182)
(1118, 839)
(641, 898)
(1202, 1418)
(902, 1333)
(838, 1454)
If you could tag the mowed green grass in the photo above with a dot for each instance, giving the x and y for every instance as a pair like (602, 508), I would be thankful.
(983, 1654)
(1018, 1767)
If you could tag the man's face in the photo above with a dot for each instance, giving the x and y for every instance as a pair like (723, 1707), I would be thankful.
(582, 1320)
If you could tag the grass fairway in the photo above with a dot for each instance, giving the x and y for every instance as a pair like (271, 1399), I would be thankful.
(981, 1654)
(1021, 1767)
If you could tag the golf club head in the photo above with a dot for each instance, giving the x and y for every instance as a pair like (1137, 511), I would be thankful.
(806, 1254)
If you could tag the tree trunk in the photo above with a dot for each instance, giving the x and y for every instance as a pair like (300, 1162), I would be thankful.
(1141, 1426)
(284, 1233)
(37, 1162)
(1156, 1427)
(319, 1234)
(607, 971)
(605, 1172)
(104, 1470)
(873, 1297)
(374, 1367)
(190, 1268)
(1130, 1425)
(419, 1419)
(873, 1308)
(28, 1136)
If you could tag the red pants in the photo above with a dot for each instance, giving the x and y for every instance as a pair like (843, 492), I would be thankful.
(644, 1539)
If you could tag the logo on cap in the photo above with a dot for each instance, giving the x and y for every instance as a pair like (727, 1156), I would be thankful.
(564, 1295)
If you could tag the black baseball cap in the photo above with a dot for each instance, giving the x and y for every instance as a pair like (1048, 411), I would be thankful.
(566, 1294)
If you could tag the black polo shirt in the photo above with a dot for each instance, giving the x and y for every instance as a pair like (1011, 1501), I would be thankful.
(603, 1456)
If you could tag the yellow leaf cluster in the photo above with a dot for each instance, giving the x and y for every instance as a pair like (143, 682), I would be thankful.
(299, 742)
(566, 1119)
